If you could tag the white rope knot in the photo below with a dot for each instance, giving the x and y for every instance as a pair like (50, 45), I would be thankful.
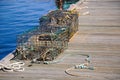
(17, 66)
(81, 66)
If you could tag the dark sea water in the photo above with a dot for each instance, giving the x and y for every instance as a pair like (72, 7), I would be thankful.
(18, 16)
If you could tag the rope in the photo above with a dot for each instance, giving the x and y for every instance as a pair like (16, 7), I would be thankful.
(57, 61)
(79, 66)
(17, 66)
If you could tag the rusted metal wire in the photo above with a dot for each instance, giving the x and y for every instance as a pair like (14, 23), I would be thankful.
(50, 38)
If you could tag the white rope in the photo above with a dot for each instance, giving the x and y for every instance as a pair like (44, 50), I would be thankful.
(80, 66)
(17, 66)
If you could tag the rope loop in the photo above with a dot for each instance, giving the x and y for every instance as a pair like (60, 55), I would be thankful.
(17, 66)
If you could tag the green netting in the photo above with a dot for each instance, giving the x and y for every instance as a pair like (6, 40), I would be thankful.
(50, 38)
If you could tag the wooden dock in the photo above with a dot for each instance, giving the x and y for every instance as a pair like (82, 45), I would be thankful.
(98, 36)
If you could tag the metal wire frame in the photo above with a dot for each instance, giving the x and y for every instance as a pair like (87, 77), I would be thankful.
(49, 39)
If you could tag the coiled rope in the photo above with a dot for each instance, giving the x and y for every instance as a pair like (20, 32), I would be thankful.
(17, 66)
(80, 66)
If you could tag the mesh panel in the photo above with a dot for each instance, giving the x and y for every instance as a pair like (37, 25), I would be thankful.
(50, 38)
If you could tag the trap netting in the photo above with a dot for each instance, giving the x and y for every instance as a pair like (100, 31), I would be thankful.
(50, 38)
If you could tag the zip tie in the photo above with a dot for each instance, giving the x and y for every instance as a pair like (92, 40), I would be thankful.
(86, 13)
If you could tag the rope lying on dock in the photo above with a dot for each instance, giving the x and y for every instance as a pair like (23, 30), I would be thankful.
(17, 66)
(57, 61)
(80, 66)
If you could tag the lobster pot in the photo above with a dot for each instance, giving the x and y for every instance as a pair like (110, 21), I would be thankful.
(73, 28)
(46, 41)
(52, 49)
(53, 44)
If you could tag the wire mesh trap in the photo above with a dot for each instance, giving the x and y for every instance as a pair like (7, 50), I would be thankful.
(50, 38)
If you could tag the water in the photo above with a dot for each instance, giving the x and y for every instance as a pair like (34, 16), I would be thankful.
(18, 16)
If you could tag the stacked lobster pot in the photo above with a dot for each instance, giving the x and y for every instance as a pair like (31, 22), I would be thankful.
(50, 38)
